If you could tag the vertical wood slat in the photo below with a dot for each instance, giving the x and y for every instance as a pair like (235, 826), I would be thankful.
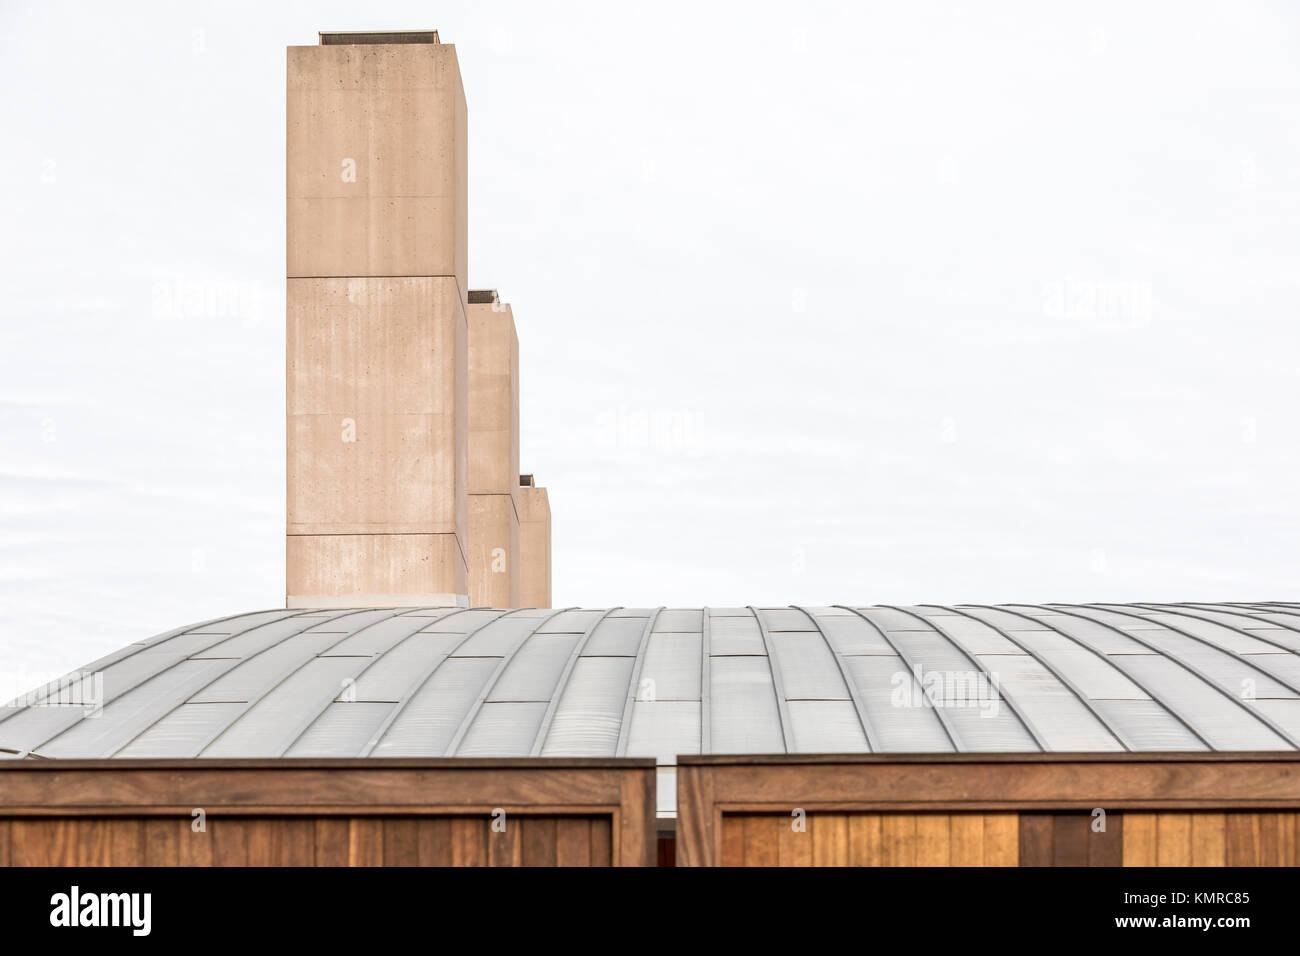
(469, 845)
(539, 841)
(505, 841)
(1209, 839)
(762, 839)
(898, 839)
(865, 839)
(602, 842)
(733, 840)
(1071, 834)
(401, 841)
(830, 839)
(1107, 847)
(433, 841)
(331, 841)
(1037, 832)
(1139, 839)
(162, 840)
(796, 841)
(365, 841)
(1173, 839)
(966, 831)
(572, 842)
(1001, 839)
(933, 839)
(702, 832)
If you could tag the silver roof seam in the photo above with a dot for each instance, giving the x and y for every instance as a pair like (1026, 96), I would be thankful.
(1218, 647)
(1065, 682)
(488, 685)
(873, 745)
(1194, 671)
(1137, 682)
(418, 682)
(199, 690)
(633, 689)
(1238, 611)
(706, 681)
(257, 699)
(155, 641)
(1037, 737)
(562, 684)
(778, 684)
(911, 666)
(309, 721)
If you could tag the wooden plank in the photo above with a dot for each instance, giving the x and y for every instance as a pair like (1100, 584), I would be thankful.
(602, 843)
(865, 847)
(638, 796)
(401, 841)
(230, 838)
(366, 841)
(1056, 785)
(194, 848)
(331, 838)
(272, 787)
(967, 835)
(294, 842)
(433, 840)
(762, 839)
(898, 839)
(1037, 831)
(1209, 839)
(1139, 839)
(1242, 839)
(505, 841)
(1002, 839)
(1270, 839)
(701, 829)
(1287, 839)
(572, 841)
(126, 844)
(162, 840)
(1106, 848)
(1173, 839)
(733, 839)
(469, 845)
(28, 846)
(933, 840)
(830, 838)
(539, 841)
(796, 839)
(91, 837)
(5, 859)
(1071, 833)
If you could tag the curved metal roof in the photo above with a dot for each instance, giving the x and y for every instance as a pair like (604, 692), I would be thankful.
(662, 682)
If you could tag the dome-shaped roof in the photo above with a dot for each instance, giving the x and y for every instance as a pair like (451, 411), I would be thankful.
(662, 682)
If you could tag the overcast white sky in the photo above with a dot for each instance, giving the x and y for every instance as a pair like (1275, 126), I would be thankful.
(817, 303)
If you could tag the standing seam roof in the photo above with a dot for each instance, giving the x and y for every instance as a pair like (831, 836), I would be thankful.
(666, 681)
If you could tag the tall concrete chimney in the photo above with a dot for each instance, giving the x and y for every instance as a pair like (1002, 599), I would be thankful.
(377, 325)
(493, 452)
(534, 544)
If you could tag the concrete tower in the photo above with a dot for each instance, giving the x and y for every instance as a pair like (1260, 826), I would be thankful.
(534, 544)
(403, 386)
(377, 331)
(493, 452)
